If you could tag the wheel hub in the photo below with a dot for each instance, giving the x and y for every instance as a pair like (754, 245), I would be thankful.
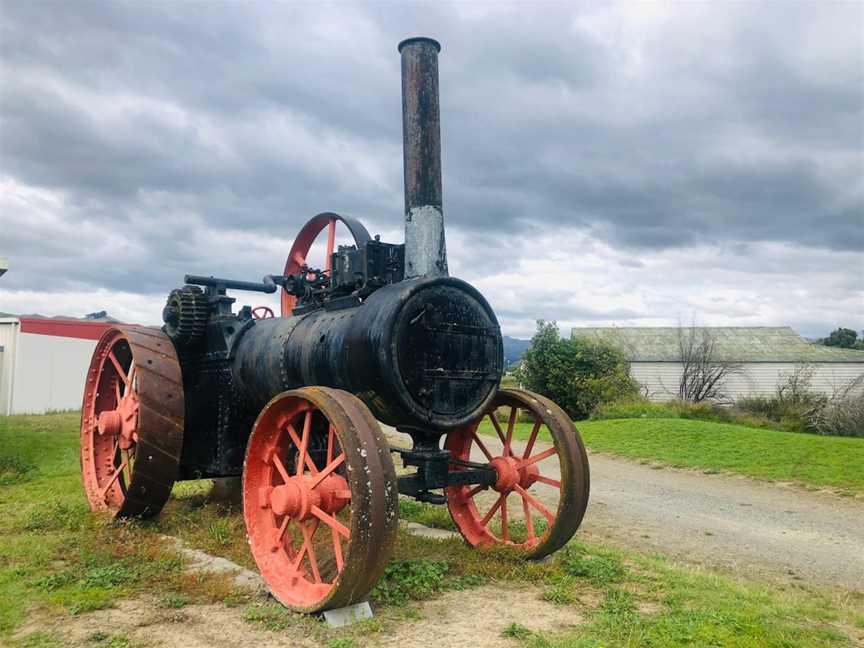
(122, 421)
(110, 423)
(297, 497)
(509, 474)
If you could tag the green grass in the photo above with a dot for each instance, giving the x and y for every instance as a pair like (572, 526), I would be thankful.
(57, 560)
(836, 462)
(55, 555)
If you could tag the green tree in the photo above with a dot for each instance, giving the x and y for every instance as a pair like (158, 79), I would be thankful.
(577, 374)
(842, 337)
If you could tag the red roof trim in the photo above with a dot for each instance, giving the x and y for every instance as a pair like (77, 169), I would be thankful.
(79, 329)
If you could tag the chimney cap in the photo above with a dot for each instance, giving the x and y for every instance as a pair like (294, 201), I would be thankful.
(419, 39)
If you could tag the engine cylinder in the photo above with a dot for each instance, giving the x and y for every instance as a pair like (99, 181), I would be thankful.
(425, 352)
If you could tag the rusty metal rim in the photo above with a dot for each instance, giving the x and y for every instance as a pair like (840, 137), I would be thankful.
(157, 422)
(574, 486)
(288, 570)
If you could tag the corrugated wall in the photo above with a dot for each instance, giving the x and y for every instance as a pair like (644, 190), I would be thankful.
(8, 337)
(660, 379)
(50, 373)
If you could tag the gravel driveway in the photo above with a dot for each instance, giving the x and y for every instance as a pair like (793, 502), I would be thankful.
(723, 520)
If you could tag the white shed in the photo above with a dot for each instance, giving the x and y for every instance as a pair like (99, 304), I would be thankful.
(43, 362)
(766, 355)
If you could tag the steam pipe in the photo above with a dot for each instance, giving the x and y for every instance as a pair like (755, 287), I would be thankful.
(425, 250)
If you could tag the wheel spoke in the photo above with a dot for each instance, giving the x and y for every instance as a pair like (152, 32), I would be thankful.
(280, 467)
(333, 465)
(281, 533)
(491, 512)
(117, 391)
(331, 521)
(547, 480)
(529, 520)
(481, 445)
(505, 531)
(113, 479)
(121, 372)
(310, 550)
(130, 379)
(331, 432)
(304, 442)
(296, 440)
(532, 439)
(533, 502)
(510, 424)
(538, 457)
(298, 558)
(498, 430)
(337, 551)
(471, 493)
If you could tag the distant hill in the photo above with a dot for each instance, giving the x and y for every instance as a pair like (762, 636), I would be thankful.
(513, 349)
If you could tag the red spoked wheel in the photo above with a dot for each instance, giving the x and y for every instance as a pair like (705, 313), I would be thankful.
(319, 498)
(541, 491)
(298, 257)
(262, 312)
(131, 422)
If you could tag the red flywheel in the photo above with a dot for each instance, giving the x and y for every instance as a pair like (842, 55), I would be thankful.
(299, 254)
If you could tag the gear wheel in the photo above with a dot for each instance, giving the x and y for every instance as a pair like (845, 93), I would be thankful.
(185, 316)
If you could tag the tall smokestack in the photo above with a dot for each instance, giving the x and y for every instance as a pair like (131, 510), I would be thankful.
(425, 251)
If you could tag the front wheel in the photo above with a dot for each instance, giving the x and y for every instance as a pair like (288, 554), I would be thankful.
(320, 499)
(542, 481)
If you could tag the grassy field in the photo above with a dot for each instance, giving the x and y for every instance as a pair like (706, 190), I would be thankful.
(58, 561)
(813, 460)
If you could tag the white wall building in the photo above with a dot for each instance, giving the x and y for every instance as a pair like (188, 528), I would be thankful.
(766, 355)
(43, 363)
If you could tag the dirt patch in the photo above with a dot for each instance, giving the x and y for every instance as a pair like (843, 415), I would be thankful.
(477, 617)
(471, 617)
(145, 623)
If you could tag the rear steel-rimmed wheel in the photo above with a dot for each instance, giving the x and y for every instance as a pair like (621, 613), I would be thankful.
(319, 498)
(541, 490)
(131, 422)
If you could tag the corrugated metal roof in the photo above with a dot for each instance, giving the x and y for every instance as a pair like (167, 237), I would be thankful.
(734, 344)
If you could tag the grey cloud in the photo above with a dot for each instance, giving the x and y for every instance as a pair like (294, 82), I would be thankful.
(155, 120)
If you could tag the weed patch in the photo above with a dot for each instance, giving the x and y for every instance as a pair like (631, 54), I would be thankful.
(14, 470)
(410, 579)
(600, 570)
(516, 631)
(269, 616)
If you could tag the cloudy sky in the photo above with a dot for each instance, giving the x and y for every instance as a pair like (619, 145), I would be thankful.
(603, 164)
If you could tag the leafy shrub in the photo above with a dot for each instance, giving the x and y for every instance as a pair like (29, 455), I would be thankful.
(410, 579)
(577, 374)
(843, 414)
(793, 408)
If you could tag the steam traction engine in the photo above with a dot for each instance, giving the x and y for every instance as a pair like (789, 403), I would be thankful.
(292, 403)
